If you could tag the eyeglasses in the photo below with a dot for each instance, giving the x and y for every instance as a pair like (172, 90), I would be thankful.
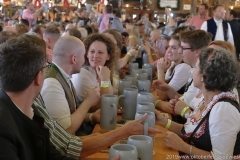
(183, 49)
(48, 65)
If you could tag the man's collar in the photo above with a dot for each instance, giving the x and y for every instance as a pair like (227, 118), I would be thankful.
(203, 17)
(218, 21)
(65, 75)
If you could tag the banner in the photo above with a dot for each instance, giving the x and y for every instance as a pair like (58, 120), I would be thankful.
(173, 4)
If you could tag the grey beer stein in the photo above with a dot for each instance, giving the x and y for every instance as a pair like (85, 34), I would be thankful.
(129, 103)
(108, 113)
(125, 151)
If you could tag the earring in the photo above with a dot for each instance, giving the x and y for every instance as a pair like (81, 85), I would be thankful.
(202, 79)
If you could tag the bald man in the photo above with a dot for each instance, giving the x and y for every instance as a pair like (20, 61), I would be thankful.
(69, 26)
(155, 38)
(58, 93)
(155, 35)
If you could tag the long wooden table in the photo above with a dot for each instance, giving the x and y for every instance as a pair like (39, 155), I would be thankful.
(161, 151)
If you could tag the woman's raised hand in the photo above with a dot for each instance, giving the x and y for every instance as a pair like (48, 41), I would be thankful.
(103, 73)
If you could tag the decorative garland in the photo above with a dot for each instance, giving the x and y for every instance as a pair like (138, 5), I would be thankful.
(163, 8)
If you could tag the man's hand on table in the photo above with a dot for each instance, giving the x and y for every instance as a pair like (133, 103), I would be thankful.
(135, 127)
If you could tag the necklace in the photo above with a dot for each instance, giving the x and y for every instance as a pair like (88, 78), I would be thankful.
(197, 116)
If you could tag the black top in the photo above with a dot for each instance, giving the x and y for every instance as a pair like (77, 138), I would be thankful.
(204, 141)
(235, 27)
(22, 138)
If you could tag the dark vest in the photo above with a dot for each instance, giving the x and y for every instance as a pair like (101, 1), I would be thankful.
(212, 28)
(70, 95)
(204, 142)
(53, 72)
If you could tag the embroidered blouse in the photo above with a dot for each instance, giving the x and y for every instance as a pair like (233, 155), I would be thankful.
(219, 132)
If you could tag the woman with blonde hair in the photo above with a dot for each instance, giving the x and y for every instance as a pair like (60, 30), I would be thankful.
(222, 44)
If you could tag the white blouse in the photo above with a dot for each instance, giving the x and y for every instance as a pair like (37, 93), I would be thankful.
(180, 76)
(84, 81)
(224, 120)
(188, 96)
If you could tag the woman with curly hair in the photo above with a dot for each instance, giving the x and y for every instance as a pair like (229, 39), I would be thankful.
(199, 96)
(212, 128)
(100, 59)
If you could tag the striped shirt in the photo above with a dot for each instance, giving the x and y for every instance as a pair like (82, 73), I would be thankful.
(64, 142)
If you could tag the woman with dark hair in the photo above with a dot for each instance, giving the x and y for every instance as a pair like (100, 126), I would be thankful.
(100, 59)
(212, 128)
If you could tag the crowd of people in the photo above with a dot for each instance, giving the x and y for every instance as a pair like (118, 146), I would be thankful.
(53, 74)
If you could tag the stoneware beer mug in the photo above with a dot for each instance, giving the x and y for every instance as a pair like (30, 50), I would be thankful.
(124, 83)
(129, 102)
(132, 78)
(145, 58)
(108, 118)
(145, 106)
(141, 76)
(135, 71)
(149, 65)
(144, 97)
(126, 152)
(144, 86)
(144, 145)
(131, 67)
(149, 73)
(150, 118)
